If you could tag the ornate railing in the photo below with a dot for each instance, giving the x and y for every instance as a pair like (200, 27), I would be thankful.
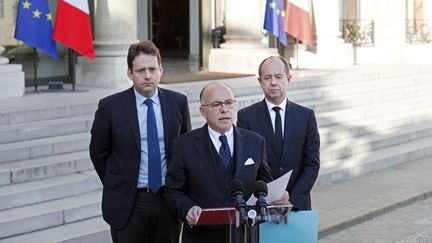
(358, 32)
(419, 31)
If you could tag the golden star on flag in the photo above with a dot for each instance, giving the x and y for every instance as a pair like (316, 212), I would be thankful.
(283, 13)
(49, 16)
(26, 5)
(36, 14)
(272, 5)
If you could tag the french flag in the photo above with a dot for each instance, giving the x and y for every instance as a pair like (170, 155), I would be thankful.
(72, 26)
(298, 21)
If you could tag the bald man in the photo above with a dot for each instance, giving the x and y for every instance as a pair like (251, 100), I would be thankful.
(207, 159)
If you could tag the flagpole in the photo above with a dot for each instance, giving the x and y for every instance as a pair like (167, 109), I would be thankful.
(35, 60)
(72, 67)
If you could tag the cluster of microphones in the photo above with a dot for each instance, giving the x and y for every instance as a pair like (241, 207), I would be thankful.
(256, 213)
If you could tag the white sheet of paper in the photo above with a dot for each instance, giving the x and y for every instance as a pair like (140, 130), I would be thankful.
(276, 189)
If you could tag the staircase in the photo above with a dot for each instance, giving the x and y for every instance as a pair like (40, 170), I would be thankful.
(369, 118)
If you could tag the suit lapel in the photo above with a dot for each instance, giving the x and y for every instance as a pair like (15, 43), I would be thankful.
(167, 113)
(239, 152)
(264, 118)
(204, 146)
(289, 127)
(129, 104)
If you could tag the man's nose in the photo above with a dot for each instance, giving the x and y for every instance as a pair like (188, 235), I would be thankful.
(146, 74)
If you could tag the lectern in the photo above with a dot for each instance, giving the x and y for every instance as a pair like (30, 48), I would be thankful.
(243, 228)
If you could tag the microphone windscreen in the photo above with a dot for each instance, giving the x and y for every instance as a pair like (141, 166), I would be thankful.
(236, 185)
(260, 186)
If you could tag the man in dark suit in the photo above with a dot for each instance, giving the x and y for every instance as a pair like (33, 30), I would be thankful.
(289, 129)
(130, 148)
(207, 159)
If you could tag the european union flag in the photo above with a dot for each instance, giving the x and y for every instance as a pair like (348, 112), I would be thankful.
(274, 19)
(34, 26)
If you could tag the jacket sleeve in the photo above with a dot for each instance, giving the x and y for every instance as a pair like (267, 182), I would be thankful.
(264, 172)
(100, 143)
(186, 121)
(241, 120)
(176, 195)
(311, 161)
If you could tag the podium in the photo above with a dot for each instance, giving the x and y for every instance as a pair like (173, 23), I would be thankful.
(243, 229)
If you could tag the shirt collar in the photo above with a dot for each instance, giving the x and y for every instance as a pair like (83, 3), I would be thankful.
(215, 135)
(140, 98)
(281, 105)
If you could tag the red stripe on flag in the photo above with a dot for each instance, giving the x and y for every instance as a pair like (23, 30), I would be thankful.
(72, 28)
(298, 24)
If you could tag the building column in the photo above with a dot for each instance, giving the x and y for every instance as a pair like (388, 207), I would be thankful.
(12, 83)
(243, 50)
(115, 29)
(329, 51)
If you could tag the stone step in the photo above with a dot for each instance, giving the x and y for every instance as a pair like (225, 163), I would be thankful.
(89, 230)
(28, 193)
(250, 86)
(371, 111)
(27, 112)
(358, 145)
(45, 167)
(39, 216)
(341, 95)
(33, 109)
(361, 112)
(349, 168)
(43, 147)
(45, 128)
(374, 125)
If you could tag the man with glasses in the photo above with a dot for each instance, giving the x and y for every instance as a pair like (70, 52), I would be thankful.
(290, 131)
(207, 159)
(130, 148)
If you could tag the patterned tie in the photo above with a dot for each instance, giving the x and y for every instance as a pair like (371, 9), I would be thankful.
(154, 158)
(224, 151)
(278, 130)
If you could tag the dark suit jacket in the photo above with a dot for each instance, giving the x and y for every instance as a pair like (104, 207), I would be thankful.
(115, 147)
(194, 177)
(300, 151)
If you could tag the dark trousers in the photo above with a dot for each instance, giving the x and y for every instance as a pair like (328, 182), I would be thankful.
(150, 222)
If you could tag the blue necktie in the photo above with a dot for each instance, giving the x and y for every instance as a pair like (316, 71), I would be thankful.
(224, 151)
(154, 158)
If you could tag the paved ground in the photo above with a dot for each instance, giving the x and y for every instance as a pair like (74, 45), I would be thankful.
(410, 224)
(348, 203)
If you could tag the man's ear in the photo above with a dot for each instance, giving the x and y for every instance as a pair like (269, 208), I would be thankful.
(201, 109)
(129, 73)
(161, 69)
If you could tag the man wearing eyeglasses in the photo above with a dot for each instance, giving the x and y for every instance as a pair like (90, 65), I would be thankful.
(290, 131)
(207, 159)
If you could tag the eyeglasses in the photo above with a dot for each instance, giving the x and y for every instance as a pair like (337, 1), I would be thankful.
(217, 105)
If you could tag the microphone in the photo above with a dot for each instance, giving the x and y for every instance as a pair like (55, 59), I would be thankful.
(261, 193)
(236, 191)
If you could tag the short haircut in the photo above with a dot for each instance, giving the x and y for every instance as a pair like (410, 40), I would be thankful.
(283, 60)
(146, 47)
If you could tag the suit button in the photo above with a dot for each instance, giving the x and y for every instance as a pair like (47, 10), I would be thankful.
(281, 169)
